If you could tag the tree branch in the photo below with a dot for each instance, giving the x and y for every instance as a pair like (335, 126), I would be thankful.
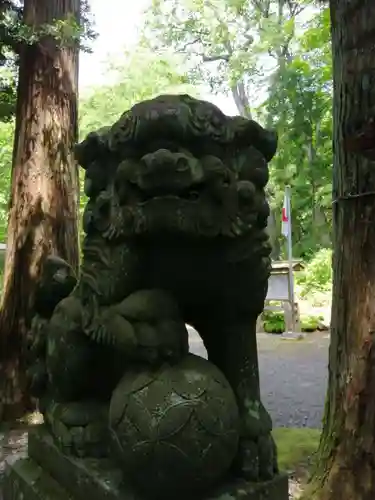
(188, 44)
(220, 57)
(241, 99)
(263, 6)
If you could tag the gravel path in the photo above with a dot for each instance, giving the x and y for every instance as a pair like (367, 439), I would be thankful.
(293, 377)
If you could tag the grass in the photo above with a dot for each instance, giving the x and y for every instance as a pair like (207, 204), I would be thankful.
(296, 449)
(295, 446)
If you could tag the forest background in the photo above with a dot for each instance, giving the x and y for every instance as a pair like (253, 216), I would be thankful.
(269, 60)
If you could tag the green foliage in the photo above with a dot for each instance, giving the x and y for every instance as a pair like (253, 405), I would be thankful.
(299, 107)
(311, 323)
(273, 322)
(65, 31)
(14, 33)
(140, 75)
(258, 52)
(317, 276)
(224, 41)
(8, 92)
(10, 19)
(295, 447)
(6, 150)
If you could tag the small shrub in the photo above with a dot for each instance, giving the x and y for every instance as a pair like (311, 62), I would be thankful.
(273, 322)
(317, 275)
(311, 323)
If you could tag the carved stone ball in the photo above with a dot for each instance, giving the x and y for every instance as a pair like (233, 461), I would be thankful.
(175, 430)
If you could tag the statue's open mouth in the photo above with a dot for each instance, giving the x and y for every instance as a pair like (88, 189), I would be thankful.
(191, 193)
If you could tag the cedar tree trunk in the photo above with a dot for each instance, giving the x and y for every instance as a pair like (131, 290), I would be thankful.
(44, 189)
(346, 458)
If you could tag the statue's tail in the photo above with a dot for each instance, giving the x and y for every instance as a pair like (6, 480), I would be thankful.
(57, 282)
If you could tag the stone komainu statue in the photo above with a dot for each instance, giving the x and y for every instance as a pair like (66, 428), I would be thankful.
(175, 233)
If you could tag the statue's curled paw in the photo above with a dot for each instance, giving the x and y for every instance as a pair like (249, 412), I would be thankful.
(79, 428)
(148, 326)
(161, 341)
(256, 458)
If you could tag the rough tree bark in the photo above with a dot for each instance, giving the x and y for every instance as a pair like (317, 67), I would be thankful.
(346, 464)
(44, 191)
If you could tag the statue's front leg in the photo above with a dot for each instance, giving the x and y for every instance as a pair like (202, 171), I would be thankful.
(232, 347)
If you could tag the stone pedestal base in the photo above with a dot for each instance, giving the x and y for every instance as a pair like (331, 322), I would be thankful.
(47, 474)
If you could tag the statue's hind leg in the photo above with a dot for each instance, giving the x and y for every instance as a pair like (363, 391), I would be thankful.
(231, 346)
(76, 406)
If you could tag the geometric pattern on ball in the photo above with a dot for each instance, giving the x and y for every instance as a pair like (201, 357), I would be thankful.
(176, 426)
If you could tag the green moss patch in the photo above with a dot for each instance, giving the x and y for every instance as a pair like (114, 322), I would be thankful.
(296, 447)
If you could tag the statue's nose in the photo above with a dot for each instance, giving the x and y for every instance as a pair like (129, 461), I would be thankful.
(161, 159)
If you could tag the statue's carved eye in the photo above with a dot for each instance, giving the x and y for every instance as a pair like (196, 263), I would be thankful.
(246, 191)
(182, 163)
(225, 181)
(193, 195)
(60, 275)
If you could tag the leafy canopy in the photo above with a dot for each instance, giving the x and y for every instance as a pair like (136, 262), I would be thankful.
(274, 58)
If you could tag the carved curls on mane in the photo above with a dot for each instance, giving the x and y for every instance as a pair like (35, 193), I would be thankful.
(186, 118)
